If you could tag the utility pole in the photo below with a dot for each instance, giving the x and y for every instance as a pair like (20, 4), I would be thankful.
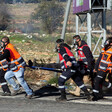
(104, 18)
(66, 19)
(64, 25)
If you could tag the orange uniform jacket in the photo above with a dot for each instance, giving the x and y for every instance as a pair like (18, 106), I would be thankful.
(106, 61)
(16, 61)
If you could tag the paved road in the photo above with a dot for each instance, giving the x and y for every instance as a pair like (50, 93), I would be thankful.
(46, 103)
(17, 104)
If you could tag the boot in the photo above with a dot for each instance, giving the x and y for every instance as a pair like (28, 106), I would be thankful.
(15, 92)
(95, 97)
(62, 97)
(88, 95)
(6, 90)
(100, 95)
(76, 92)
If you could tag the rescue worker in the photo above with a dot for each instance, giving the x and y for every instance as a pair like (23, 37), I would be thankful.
(16, 67)
(3, 69)
(102, 67)
(69, 66)
(85, 60)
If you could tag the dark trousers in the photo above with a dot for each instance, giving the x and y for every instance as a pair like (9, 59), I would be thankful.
(3, 82)
(76, 77)
(99, 81)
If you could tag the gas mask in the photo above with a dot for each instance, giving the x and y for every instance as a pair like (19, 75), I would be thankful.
(2, 44)
(58, 41)
(75, 42)
(1, 48)
(56, 48)
(106, 44)
(75, 39)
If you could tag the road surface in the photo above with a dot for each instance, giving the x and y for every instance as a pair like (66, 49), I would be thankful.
(45, 102)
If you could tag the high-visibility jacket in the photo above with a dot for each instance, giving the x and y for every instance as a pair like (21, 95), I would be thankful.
(3, 63)
(62, 60)
(16, 61)
(81, 55)
(106, 63)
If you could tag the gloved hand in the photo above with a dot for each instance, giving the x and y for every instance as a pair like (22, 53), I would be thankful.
(69, 64)
(94, 71)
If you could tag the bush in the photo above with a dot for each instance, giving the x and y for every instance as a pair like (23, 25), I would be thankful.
(51, 15)
(53, 80)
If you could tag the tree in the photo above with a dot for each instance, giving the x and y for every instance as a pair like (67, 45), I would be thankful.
(4, 16)
(50, 13)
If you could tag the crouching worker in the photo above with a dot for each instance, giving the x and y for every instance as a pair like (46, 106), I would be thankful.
(103, 67)
(16, 68)
(69, 66)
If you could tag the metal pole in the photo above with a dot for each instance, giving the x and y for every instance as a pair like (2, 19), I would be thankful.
(66, 19)
(77, 24)
(89, 29)
(64, 25)
(104, 19)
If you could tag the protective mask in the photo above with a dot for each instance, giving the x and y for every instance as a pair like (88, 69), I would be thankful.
(106, 45)
(56, 48)
(1, 46)
(75, 42)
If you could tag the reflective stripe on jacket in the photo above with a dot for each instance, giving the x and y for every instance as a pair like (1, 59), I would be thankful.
(105, 63)
(16, 61)
(3, 64)
(81, 55)
(62, 60)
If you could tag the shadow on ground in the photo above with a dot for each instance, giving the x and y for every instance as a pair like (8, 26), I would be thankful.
(47, 91)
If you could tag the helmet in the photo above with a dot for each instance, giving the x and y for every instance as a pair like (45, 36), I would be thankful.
(76, 37)
(59, 41)
(107, 43)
